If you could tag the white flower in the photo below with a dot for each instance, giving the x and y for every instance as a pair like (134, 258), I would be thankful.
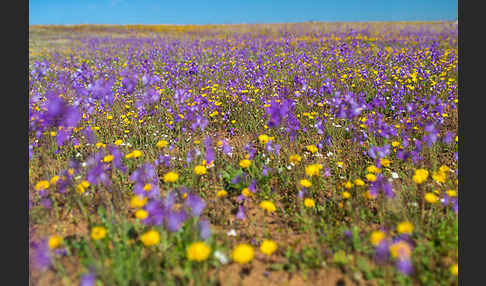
(220, 257)
(232, 232)
(394, 175)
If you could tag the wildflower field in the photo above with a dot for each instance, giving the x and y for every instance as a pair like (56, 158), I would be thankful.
(284, 154)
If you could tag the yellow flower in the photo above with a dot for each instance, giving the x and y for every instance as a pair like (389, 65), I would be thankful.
(348, 185)
(243, 253)
(385, 162)
(309, 203)
(264, 139)
(395, 143)
(359, 182)
(221, 193)
(439, 177)
(200, 170)
(400, 249)
(134, 154)
(405, 227)
(137, 202)
(444, 168)
(311, 148)
(376, 237)
(246, 192)
(161, 144)
(245, 163)
(151, 237)
(431, 198)
(454, 269)
(42, 185)
(198, 251)
(108, 158)
(368, 195)
(305, 183)
(268, 247)
(171, 177)
(98, 232)
(370, 177)
(295, 159)
(420, 176)
(118, 142)
(80, 188)
(141, 214)
(54, 241)
(147, 187)
(268, 206)
(451, 193)
(54, 180)
(346, 195)
(313, 170)
(373, 169)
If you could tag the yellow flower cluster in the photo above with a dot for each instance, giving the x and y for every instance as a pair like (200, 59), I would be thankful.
(245, 163)
(198, 251)
(171, 177)
(134, 154)
(200, 170)
(313, 170)
(420, 176)
(151, 237)
(243, 253)
(268, 206)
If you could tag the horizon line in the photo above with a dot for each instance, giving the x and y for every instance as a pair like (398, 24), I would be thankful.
(258, 23)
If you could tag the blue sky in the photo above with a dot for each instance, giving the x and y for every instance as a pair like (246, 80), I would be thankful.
(233, 12)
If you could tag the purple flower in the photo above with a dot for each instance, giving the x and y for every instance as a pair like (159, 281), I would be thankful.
(404, 265)
(301, 193)
(241, 213)
(40, 255)
(145, 175)
(448, 138)
(62, 136)
(382, 251)
(204, 229)
(46, 203)
(97, 172)
(252, 186)
(88, 279)
(156, 212)
(327, 172)
(89, 135)
(59, 112)
(117, 157)
(379, 152)
(174, 220)
(383, 185)
(209, 157)
(195, 204)
(226, 147)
